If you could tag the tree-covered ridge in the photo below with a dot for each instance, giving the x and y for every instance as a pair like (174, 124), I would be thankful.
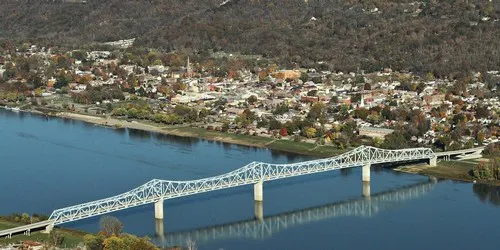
(443, 37)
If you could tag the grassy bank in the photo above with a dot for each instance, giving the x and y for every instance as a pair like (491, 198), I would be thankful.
(71, 237)
(257, 141)
(286, 145)
(454, 170)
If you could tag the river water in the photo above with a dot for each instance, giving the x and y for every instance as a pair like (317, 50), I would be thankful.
(50, 163)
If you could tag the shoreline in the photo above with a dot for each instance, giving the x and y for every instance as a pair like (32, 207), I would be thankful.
(283, 145)
(459, 172)
(443, 170)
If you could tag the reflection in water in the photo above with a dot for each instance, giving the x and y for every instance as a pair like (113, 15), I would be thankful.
(275, 154)
(139, 134)
(346, 171)
(263, 227)
(259, 210)
(487, 193)
(179, 140)
(120, 131)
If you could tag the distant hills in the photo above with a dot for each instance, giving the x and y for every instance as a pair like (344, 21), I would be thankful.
(443, 37)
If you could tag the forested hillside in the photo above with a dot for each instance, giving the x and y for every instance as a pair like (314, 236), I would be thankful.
(444, 37)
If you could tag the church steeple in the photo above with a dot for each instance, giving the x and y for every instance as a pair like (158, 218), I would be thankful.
(189, 71)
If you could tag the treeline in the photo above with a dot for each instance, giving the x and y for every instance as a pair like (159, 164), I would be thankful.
(177, 115)
(24, 218)
(443, 37)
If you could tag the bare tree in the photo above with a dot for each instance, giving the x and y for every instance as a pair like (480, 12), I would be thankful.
(111, 225)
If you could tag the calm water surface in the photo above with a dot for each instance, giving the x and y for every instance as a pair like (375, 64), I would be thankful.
(49, 163)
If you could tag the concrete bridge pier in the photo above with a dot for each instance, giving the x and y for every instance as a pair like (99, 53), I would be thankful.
(159, 209)
(259, 210)
(366, 180)
(258, 193)
(366, 172)
(159, 230)
(49, 229)
(433, 161)
(366, 189)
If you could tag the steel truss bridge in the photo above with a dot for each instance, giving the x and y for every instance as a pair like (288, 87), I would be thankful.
(266, 227)
(156, 190)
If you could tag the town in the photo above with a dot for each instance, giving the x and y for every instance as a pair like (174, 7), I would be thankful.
(253, 96)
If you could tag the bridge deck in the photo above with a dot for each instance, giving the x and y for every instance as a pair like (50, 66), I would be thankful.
(458, 152)
(25, 228)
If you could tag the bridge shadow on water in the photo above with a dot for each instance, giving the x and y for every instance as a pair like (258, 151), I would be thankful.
(260, 227)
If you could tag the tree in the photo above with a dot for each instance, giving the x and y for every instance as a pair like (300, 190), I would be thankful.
(316, 111)
(55, 238)
(387, 113)
(283, 132)
(114, 243)
(204, 113)
(252, 100)
(304, 77)
(480, 137)
(395, 140)
(281, 109)
(312, 92)
(367, 86)
(135, 243)
(110, 225)
(93, 242)
(482, 112)
(225, 127)
(274, 124)
(483, 171)
(361, 113)
(310, 132)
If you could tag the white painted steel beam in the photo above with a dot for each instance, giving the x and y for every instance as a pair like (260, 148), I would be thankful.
(255, 172)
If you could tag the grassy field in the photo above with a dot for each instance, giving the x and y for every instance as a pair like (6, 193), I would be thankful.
(455, 170)
(71, 237)
(451, 169)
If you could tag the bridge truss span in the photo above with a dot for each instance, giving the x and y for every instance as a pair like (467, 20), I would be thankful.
(255, 172)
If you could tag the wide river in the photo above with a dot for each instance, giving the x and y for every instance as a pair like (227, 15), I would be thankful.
(50, 163)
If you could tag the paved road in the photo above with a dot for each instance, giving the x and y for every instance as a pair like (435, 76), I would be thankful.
(457, 152)
(29, 227)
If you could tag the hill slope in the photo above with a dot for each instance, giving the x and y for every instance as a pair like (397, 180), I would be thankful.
(430, 36)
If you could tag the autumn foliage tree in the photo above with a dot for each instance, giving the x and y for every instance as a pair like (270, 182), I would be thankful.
(283, 132)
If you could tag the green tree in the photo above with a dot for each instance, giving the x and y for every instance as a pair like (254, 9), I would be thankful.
(136, 243)
(274, 124)
(281, 109)
(93, 242)
(317, 111)
(115, 243)
(304, 77)
(252, 99)
(361, 113)
(483, 171)
(225, 127)
(387, 113)
(395, 140)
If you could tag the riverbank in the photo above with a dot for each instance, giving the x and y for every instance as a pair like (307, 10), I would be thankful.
(284, 145)
(453, 170)
(449, 170)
